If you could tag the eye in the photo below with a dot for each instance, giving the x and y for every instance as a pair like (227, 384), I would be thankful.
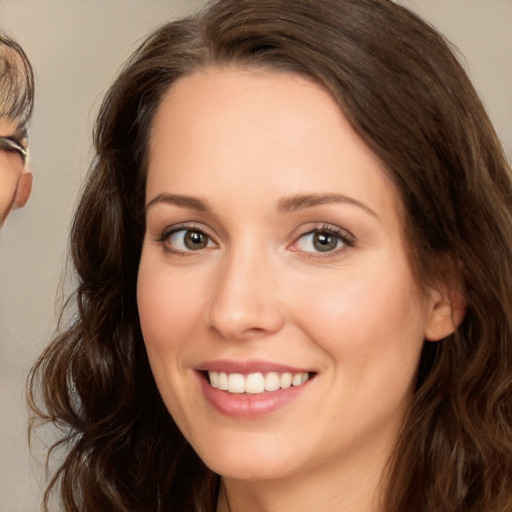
(322, 240)
(184, 240)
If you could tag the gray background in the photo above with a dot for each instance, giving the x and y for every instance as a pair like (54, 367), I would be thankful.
(76, 47)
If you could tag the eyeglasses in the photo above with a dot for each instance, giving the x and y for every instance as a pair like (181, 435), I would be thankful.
(13, 146)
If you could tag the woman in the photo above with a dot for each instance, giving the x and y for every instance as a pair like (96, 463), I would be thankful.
(293, 253)
(16, 104)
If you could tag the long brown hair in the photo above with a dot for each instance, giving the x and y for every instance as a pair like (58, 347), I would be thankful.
(400, 86)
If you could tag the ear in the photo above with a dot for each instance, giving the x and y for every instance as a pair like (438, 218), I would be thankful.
(446, 309)
(23, 191)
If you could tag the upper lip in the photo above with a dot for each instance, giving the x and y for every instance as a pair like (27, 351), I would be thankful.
(247, 367)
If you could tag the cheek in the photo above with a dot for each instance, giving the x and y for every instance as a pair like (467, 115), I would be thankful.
(371, 328)
(168, 308)
(362, 316)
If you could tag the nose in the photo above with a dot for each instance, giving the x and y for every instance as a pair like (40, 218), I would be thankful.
(245, 303)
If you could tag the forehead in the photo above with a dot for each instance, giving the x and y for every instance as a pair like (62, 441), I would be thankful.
(256, 131)
(8, 127)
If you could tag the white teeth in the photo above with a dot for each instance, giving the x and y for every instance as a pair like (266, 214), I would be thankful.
(286, 380)
(297, 379)
(255, 383)
(214, 379)
(236, 383)
(223, 381)
(272, 381)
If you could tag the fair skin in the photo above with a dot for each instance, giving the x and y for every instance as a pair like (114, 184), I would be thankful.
(15, 180)
(273, 245)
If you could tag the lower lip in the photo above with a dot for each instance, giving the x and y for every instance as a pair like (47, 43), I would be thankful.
(246, 405)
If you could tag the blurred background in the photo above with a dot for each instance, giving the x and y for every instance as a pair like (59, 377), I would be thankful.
(77, 48)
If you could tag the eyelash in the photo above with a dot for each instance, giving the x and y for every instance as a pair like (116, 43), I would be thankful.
(347, 239)
(186, 228)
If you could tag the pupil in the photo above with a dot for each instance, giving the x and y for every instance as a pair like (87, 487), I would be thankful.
(324, 242)
(195, 240)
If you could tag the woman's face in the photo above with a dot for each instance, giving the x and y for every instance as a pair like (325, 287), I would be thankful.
(274, 265)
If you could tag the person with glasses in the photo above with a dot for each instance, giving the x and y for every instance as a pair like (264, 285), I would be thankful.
(16, 105)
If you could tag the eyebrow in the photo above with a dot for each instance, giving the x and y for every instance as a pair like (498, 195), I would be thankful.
(179, 200)
(285, 205)
(303, 201)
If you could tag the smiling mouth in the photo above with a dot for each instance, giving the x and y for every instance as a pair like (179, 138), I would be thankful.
(255, 383)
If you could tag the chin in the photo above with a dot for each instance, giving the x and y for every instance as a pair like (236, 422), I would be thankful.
(259, 470)
(254, 464)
